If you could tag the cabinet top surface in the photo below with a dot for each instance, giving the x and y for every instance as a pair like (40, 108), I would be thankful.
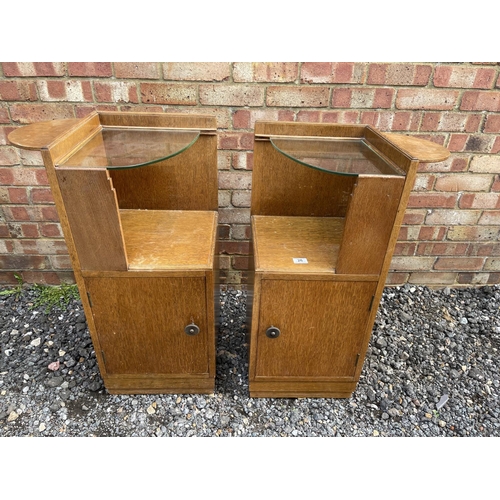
(130, 147)
(343, 156)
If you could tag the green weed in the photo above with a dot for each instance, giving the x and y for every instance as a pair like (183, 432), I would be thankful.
(54, 297)
(14, 291)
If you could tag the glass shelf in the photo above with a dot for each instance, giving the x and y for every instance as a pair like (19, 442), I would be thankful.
(130, 147)
(343, 156)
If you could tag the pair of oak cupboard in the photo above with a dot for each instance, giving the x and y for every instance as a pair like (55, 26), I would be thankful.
(137, 198)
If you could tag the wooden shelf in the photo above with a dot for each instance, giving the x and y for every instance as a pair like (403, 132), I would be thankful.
(278, 240)
(169, 239)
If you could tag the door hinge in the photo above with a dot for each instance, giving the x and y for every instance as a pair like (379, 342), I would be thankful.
(371, 303)
(90, 300)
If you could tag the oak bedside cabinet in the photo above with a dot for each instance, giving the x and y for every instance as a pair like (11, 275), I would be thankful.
(327, 205)
(136, 195)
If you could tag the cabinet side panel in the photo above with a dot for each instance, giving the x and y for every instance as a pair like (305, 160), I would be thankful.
(93, 217)
(369, 224)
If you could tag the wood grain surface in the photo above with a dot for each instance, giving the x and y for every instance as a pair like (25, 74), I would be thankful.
(169, 239)
(92, 212)
(140, 323)
(322, 327)
(278, 240)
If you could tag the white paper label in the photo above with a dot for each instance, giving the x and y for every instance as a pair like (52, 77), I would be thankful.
(300, 260)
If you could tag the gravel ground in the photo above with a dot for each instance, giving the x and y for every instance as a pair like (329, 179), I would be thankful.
(432, 369)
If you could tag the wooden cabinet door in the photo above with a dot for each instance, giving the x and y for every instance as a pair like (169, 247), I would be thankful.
(322, 325)
(140, 324)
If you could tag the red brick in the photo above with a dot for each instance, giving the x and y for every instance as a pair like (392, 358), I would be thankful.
(241, 263)
(432, 200)
(473, 233)
(362, 97)
(40, 247)
(17, 213)
(392, 121)
(473, 278)
(4, 115)
(235, 180)
(231, 95)
(480, 101)
(464, 142)
(49, 214)
(246, 118)
(23, 262)
(405, 248)
(479, 200)
(492, 125)
(432, 233)
(94, 69)
(495, 149)
(65, 90)
(464, 77)
(41, 195)
(18, 195)
(139, 70)
(426, 99)
(235, 140)
(4, 231)
(197, 71)
(298, 96)
(30, 113)
(115, 91)
(399, 74)
(29, 230)
(60, 261)
(328, 72)
(340, 117)
(451, 122)
(490, 217)
(6, 176)
(493, 278)
(463, 182)
(442, 249)
(275, 72)
(50, 230)
(223, 231)
(234, 247)
(33, 69)
(413, 217)
(459, 263)
(485, 249)
(18, 90)
(313, 116)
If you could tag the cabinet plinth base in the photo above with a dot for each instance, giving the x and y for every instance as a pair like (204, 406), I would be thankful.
(158, 385)
(265, 389)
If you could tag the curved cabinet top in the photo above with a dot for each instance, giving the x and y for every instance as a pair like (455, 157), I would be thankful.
(114, 140)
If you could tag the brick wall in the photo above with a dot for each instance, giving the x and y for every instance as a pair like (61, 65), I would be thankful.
(452, 225)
